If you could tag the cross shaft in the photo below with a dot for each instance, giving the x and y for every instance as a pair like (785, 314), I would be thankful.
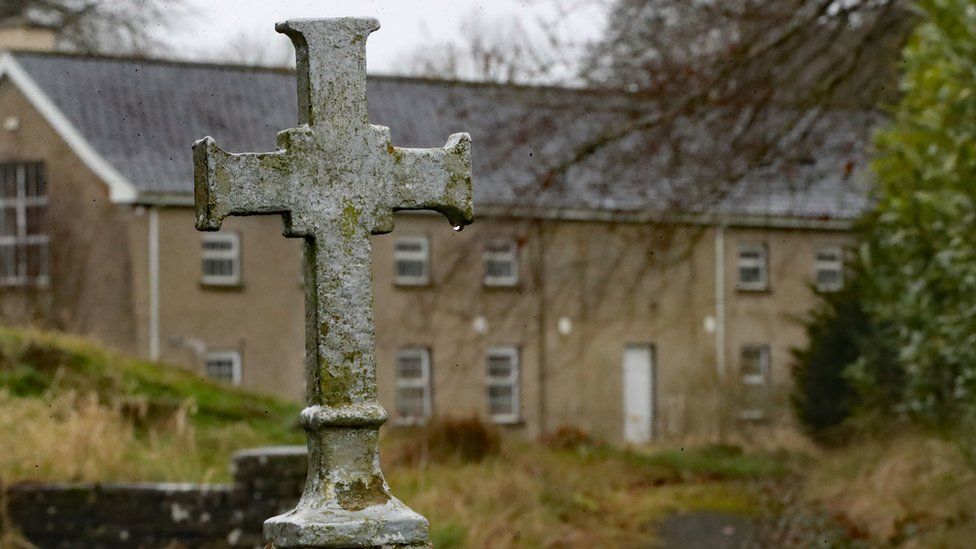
(336, 180)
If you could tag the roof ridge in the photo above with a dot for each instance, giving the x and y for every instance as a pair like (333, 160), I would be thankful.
(150, 60)
(223, 65)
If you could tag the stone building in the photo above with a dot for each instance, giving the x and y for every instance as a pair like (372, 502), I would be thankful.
(585, 303)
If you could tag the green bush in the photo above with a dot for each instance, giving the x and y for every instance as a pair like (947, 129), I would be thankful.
(842, 338)
(822, 396)
(899, 341)
(919, 252)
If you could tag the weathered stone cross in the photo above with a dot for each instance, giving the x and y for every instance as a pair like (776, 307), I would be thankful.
(337, 179)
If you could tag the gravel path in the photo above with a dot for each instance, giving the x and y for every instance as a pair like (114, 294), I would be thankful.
(706, 530)
(787, 522)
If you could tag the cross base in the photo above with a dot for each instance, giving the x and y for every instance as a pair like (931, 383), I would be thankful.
(346, 503)
(392, 525)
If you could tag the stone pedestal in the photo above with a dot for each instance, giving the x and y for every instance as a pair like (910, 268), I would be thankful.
(392, 524)
(346, 502)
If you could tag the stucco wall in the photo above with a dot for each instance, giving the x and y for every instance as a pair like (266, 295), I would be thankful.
(618, 284)
(90, 291)
(263, 318)
(773, 316)
(28, 39)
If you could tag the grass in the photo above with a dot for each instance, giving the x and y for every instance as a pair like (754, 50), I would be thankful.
(720, 461)
(908, 488)
(588, 495)
(531, 496)
(75, 412)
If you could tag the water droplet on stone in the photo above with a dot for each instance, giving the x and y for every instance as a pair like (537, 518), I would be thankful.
(458, 228)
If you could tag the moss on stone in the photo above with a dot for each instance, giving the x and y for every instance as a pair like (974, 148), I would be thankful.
(358, 495)
(349, 222)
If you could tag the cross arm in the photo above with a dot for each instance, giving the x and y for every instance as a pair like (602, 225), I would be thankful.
(436, 179)
(236, 184)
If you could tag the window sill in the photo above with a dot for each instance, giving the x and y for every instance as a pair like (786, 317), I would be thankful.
(514, 422)
(223, 381)
(412, 285)
(410, 423)
(501, 286)
(752, 416)
(25, 286)
(827, 290)
(754, 380)
(222, 287)
(756, 291)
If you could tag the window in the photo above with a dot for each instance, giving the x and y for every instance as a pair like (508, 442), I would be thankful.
(754, 375)
(221, 259)
(829, 269)
(752, 267)
(503, 384)
(501, 263)
(413, 403)
(224, 366)
(411, 257)
(23, 244)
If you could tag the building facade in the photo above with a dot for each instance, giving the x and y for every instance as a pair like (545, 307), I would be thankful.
(560, 308)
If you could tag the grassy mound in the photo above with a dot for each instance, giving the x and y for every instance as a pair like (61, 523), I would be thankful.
(74, 411)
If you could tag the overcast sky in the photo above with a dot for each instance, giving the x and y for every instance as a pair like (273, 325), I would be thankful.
(219, 27)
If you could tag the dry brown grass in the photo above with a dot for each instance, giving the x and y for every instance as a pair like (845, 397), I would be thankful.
(75, 437)
(72, 437)
(908, 490)
(583, 495)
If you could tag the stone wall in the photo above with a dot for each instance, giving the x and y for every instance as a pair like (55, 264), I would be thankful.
(267, 481)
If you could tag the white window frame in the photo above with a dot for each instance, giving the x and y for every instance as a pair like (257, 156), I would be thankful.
(233, 356)
(762, 262)
(21, 239)
(511, 256)
(512, 380)
(762, 379)
(835, 264)
(423, 382)
(233, 254)
(422, 255)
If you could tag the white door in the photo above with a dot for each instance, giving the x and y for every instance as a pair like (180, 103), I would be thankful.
(638, 393)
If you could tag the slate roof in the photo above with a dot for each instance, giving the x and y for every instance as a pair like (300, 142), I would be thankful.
(142, 116)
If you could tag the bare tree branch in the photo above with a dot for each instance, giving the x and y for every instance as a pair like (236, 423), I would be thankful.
(99, 26)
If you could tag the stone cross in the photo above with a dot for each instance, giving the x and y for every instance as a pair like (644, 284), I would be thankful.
(336, 179)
